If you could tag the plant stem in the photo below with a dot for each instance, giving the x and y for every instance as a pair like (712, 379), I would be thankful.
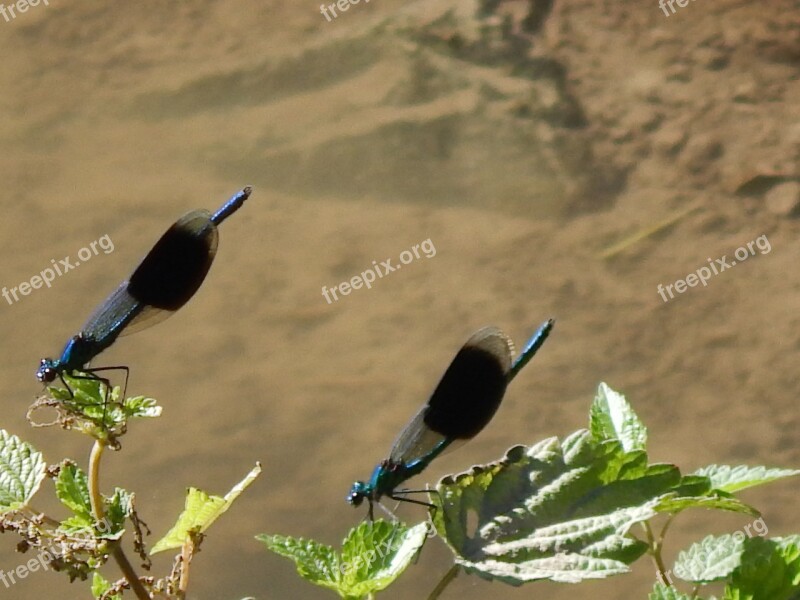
(96, 500)
(664, 529)
(655, 552)
(38, 513)
(95, 497)
(445, 581)
(127, 570)
(643, 234)
(186, 558)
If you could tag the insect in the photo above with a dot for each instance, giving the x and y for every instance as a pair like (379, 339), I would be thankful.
(164, 281)
(466, 399)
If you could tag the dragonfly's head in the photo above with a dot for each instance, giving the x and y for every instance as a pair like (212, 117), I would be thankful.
(77, 353)
(359, 492)
(48, 370)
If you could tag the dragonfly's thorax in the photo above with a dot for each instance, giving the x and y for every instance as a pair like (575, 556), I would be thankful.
(76, 355)
(386, 477)
(80, 349)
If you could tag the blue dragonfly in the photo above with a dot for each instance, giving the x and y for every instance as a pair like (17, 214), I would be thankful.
(466, 399)
(166, 278)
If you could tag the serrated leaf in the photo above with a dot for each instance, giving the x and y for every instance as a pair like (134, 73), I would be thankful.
(200, 511)
(317, 563)
(733, 479)
(88, 397)
(786, 541)
(72, 488)
(769, 570)
(665, 592)
(373, 555)
(118, 508)
(100, 586)
(104, 408)
(558, 511)
(612, 418)
(693, 485)
(672, 503)
(562, 510)
(141, 407)
(711, 559)
(76, 524)
(22, 469)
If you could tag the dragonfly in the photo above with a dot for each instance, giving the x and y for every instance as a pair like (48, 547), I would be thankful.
(166, 278)
(465, 400)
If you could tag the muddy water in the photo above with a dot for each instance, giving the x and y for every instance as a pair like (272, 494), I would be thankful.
(117, 121)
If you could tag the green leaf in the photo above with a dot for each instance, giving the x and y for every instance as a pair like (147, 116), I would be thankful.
(373, 555)
(693, 485)
(88, 397)
(72, 488)
(612, 418)
(769, 570)
(141, 407)
(712, 559)
(90, 401)
(558, 511)
(22, 470)
(315, 562)
(100, 586)
(664, 592)
(673, 503)
(200, 511)
(732, 479)
(76, 524)
(118, 508)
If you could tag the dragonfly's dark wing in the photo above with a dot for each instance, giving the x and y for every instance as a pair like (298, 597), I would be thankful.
(164, 281)
(113, 315)
(415, 440)
(173, 270)
(146, 318)
(465, 399)
(471, 389)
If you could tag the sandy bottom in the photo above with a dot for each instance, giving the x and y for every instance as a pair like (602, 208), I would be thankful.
(117, 121)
